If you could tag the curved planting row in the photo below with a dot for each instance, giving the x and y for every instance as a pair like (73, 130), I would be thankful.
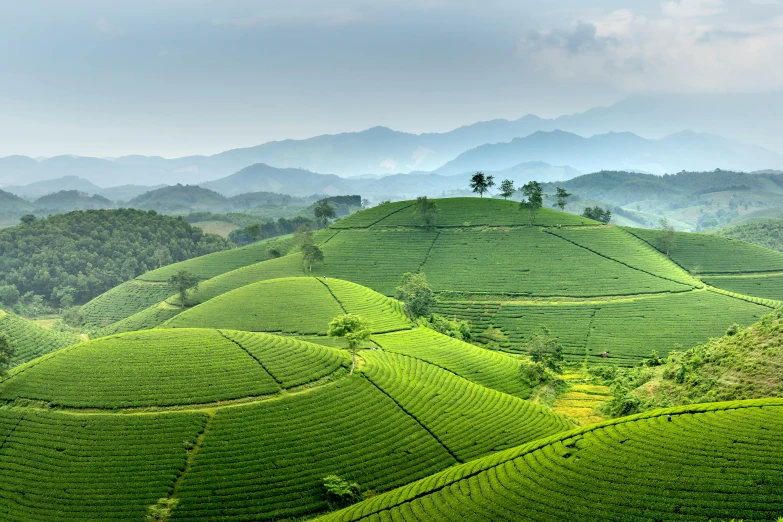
(31, 340)
(383, 314)
(125, 300)
(147, 319)
(717, 461)
(767, 288)
(267, 460)
(488, 368)
(58, 466)
(467, 418)
(170, 368)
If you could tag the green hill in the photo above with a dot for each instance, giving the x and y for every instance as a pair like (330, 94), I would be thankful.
(70, 200)
(714, 462)
(768, 233)
(182, 199)
(31, 340)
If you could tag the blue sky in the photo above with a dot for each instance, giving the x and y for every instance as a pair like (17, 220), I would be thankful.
(178, 77)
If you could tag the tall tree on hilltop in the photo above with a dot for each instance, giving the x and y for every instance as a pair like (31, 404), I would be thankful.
(668, 236)
(312, 254)
(354, 329)
(481, 183)
(507, 188)
(426, 212)
(534, 198)
(323, 212)
(181, 282)
(562, 197)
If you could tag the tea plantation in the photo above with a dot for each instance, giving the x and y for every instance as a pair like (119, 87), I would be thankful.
(236, 406)
(715, 462)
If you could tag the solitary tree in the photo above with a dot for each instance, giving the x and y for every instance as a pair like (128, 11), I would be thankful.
(303, 236)
(668, 235)
(416, 295)
(253, 231)
(545, 349)
(323, 212)
(7, 350)
(562, 197)
(163, 255)
(312, 254)
(353, 329)
(481, 183)
(507, 188)
(181, 282)
(534, 198)
(426, 212)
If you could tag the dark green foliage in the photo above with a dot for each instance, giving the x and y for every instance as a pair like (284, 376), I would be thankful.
(181, 282)
(545, 349)
(312, 254)
(69, 200)
(9, 295)
(323, 212)
(426, 212)
(597, 213)
(27, 219)
(534, 199)
(7, 351)
(507, 188)
(340, 492)
(481, 183)
(768, 234)
(416, 295)
(282, 226)
(85, 253)
(562, 198)
(453, 328)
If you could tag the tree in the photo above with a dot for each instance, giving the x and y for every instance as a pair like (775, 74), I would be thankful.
(253, 231)
(181, 282)
(323, 212)
(507, 188)
(426, 212)
(668, 235)
(597, 213)
(481, 183)
(534, 198)
(303, 236)
(340, 492)
(416, 295)
(562, 196)
(163, 256)
(353, 329)
(27, 219)
(312, 254)
(545, 349)
(7, 351)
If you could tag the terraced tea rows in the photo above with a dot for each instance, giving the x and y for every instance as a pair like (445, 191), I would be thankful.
(707, 254)
(58, 466)
(769, 286)
(468, 419)
(129, 298)
(491, 369)
(627, 329)
(710, 462)
(302, 305)
(368, 217)
(168, 368)
(147, 319)
(31, 340)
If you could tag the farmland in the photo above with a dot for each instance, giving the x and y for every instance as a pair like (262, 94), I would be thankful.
(123, 301)
(30, 339)
(636, 468)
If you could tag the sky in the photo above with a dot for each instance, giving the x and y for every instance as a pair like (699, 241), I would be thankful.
(180, 77)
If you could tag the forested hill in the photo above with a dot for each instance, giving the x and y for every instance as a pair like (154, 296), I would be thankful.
(768, 234)
(71, 258)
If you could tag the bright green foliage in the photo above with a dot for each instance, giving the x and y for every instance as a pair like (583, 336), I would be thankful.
(354, 329)
(769, 286)
(289, 361)
(720, 462)
(708, 254)
(491, 369)
(131, 297)
(61, 466)
(383, 314)
(181, 283)
(294, 305)
(147, 319)
(31, 340)
(416, 295)
(467, 418)
(151, 368)
(627, 329)
(312, 254)
(368, 217)
(533, 262)
(458, 212)
(617, 244)
(268, 460)
(171, 367)
(544, 349)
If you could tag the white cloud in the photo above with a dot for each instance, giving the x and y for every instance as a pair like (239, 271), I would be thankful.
(388, 163)
(693, 51)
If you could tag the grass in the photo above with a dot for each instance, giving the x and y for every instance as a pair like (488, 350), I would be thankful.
(221, 228)
(636, 468)
(302, 305)
(30, 339)
(170, 368)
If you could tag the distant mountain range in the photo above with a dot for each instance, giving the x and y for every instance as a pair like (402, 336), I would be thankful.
(741, 119)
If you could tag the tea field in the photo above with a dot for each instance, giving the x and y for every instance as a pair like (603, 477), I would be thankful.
(31, 340)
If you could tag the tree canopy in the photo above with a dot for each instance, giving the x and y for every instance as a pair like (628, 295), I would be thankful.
(426, 212)
(181, 282)
(481, 183)
(416, 295)
(323, 212)
(507, 188)
(7, 351)
(534, 198)
(597, 213)
(562, 198)
(354, 329)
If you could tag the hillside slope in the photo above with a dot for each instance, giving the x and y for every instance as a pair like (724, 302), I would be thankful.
(31, 340)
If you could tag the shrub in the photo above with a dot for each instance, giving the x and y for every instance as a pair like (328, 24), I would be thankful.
(340, 492)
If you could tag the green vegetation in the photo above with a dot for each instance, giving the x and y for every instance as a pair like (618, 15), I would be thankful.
(181, 283)
(354, 330)
(604, 215)
(533, 199)
(7, 351)
(768, 286)
(426, 212)
(122, 301)
(636, 468)
(480, 183)
(30, 340)
(415, 294)
(768, 234)
(71, 258)
(169, 368)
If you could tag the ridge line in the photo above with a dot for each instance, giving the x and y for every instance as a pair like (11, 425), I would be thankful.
(227, 338)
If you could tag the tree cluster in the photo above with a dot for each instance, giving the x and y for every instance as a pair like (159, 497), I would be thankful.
(70, 258)
(257, 231)
(597, 213)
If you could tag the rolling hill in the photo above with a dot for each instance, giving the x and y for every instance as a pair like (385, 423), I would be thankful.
(31, 340)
